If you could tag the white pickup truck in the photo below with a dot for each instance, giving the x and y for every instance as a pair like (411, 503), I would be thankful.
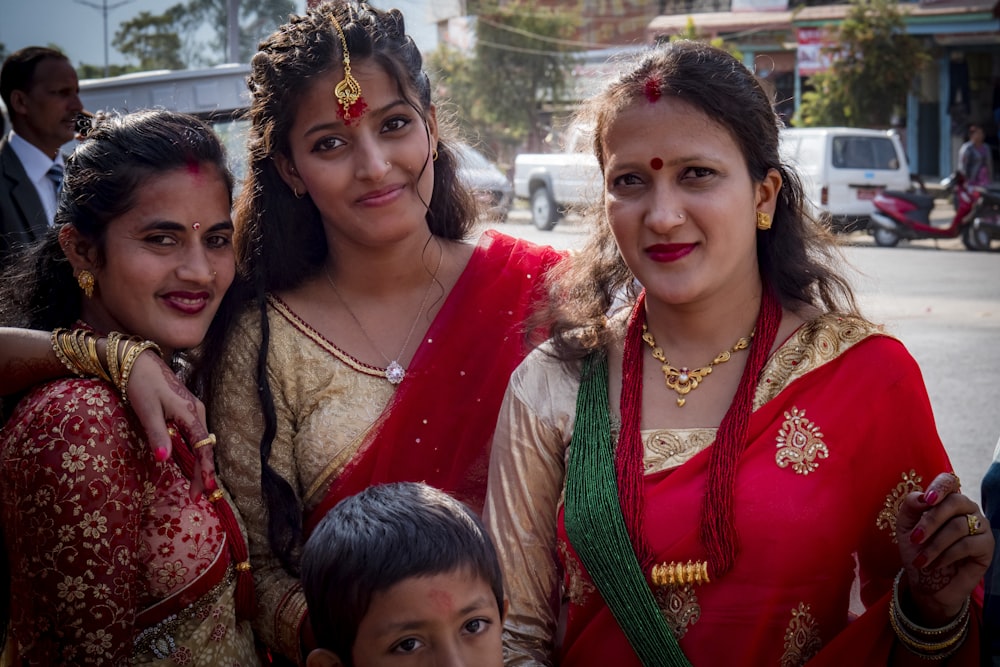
(553, 182)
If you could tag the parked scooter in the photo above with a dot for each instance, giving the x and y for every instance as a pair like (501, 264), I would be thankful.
(906, 215)
(986, 224)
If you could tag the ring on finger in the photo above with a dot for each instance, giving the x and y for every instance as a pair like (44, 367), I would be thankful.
(974, 524)
(210, 442)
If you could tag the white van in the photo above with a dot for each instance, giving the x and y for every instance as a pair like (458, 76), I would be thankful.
(843, 167)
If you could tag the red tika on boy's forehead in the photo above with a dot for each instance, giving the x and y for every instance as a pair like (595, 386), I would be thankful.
(652, 88)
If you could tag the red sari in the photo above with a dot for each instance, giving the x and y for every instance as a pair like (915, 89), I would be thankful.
(829, 458)
(448, 403)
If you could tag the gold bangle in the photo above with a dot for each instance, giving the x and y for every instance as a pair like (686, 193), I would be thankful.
(95, 361)
(57, 347)
(131, 354)
(111, 352)
(205, 442)
(918, 629)
(925, 649)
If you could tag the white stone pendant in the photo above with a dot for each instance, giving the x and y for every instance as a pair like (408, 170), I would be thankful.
(394, 373)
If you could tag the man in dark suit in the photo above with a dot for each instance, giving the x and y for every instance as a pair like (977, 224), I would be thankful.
(40, 90)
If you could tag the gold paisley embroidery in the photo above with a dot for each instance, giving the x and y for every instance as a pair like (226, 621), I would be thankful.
(812, 345)
(800, 443)
(802, 640)
(578, 584)
(679, 606)
(887, 517)
(665, 449)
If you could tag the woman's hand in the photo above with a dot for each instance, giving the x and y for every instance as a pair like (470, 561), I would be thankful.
(946, 545)
(158, 396)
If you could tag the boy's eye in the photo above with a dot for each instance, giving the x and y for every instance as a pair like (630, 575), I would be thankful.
(476, 625)
(408, 645)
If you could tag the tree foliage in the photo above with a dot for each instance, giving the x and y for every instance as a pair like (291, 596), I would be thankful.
(151, 40)
(874, 65)
(171, 40)
(520, 72)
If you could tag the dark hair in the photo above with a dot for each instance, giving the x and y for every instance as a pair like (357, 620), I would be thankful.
(102, 177)
(795, 256)
(18, 72)
(370, 542)
(281, 241)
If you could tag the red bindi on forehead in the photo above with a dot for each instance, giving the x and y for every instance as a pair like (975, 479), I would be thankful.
(656, 163)
(441, 600)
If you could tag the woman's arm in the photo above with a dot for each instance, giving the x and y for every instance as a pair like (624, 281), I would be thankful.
(527, 470)
(154, 392)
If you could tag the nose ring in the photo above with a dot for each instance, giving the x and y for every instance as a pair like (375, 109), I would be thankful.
(387, 163)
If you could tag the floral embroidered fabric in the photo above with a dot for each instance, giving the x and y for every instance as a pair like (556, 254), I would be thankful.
(97, 531)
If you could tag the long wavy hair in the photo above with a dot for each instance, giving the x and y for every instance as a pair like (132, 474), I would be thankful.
(797, 256)
(280, 239)
(101, 182)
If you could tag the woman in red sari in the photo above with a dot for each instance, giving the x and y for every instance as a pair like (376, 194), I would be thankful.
(110, 557)
(700, 478)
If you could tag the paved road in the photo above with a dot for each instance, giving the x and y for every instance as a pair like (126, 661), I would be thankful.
(941, 300)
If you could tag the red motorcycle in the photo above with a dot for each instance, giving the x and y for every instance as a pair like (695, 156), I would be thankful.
(906, 215)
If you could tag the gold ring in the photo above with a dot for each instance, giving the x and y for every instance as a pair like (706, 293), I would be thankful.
(216, 495)
(974, 524)
(205, 442)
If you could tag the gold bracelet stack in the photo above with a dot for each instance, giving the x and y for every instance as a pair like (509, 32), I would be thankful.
(928, 643)
(77, 350)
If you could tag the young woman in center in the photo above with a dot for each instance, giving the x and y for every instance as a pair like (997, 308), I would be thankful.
(379, 341)
(697, 477)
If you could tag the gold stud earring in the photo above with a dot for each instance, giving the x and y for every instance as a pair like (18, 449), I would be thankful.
(86, 281)
(763, 221)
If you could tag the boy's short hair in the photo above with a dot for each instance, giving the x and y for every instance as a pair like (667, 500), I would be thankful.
(372, 541)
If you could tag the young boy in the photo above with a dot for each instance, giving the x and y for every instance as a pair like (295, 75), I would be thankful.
(403, 574)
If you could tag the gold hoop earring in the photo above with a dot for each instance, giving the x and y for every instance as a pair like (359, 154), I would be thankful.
(763, 221)
(435, 155)
(86, 281)
(295, 191)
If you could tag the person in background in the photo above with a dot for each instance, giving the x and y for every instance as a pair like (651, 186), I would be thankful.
(697, 476)
(403, 571)
(975, 161)
(39, 87)
(109, 559)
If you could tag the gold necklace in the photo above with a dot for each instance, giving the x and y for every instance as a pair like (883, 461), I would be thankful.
(684, 380)
(394, 371)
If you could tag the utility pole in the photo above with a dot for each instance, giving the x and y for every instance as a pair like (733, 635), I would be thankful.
(233, 30)
(104, 10)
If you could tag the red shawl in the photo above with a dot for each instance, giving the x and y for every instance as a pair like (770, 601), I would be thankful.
(438, 427)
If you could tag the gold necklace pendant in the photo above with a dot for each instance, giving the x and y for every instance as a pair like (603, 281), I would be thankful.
(684, 380)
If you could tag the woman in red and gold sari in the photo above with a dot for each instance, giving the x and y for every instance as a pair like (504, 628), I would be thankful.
(381, 341)
(111, 559)
(663, 513)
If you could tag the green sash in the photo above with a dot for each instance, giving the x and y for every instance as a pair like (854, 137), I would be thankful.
(596, 527)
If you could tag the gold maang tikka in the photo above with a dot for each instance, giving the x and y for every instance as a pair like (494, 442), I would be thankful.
(348, 91)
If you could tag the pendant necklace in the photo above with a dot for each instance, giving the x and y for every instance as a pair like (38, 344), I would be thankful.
(394, 371)
(685, 380)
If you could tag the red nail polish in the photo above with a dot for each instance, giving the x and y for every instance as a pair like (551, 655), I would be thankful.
(161, 454)
(920, 561)
(917, 536)
(930, 497)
